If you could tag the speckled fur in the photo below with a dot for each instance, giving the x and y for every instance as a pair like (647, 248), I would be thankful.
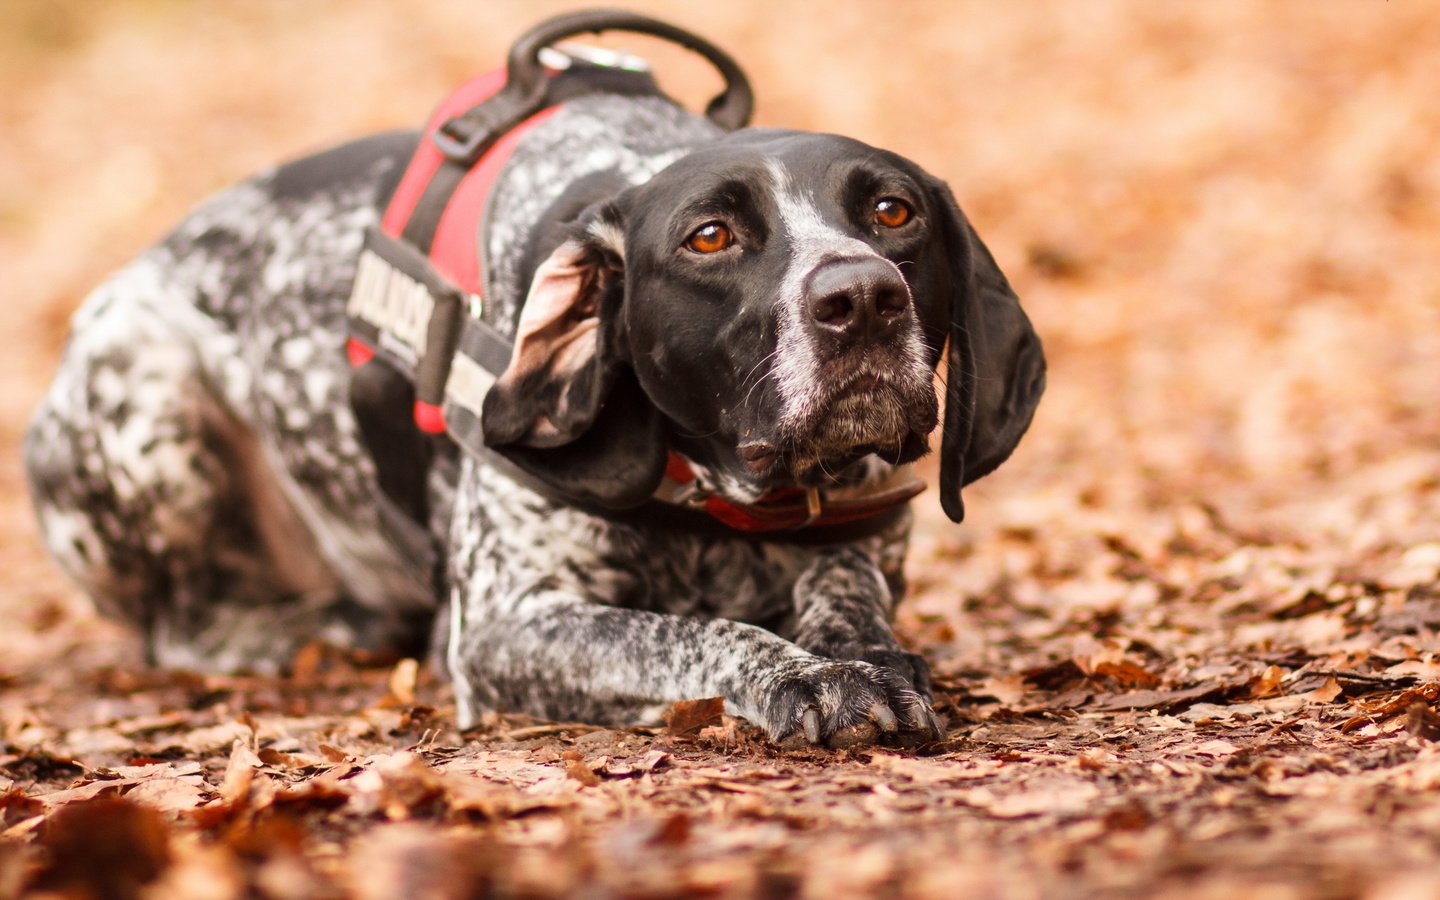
(198, 471)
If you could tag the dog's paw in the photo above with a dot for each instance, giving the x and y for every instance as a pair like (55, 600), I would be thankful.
(842, 703)
(915, 672)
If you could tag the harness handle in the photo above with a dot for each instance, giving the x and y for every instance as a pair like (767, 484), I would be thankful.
(463, 138)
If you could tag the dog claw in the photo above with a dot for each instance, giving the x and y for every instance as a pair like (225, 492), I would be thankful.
(883, 715)
(936, 726)
(811, 723)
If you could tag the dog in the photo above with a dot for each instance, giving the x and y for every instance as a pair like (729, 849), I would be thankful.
(767, 307)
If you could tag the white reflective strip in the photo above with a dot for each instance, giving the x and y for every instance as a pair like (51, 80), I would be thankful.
(468, 384)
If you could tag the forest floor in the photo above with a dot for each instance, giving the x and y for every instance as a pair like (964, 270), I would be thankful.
(1186, 644)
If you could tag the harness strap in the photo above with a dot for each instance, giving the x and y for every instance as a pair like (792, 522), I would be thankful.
(416, 319)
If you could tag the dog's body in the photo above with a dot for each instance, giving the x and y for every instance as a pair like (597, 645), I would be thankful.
(198, 468)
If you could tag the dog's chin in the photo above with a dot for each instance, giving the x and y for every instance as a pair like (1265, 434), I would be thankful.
(877, 420)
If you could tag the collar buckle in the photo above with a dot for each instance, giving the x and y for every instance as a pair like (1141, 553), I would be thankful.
(814, 507)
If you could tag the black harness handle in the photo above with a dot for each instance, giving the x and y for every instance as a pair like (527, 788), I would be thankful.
(463, 139)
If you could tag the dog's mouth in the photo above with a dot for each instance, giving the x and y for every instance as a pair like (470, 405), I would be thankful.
(868, 414)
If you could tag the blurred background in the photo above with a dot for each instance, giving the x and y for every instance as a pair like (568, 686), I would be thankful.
(1224, 219)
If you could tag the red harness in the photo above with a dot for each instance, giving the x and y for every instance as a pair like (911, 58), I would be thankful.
(455, 254)
(454, 251)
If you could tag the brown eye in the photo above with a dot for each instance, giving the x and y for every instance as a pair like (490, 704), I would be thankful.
(892, 212)
(712, 237)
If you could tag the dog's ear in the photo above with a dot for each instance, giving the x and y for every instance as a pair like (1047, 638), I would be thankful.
(995, 367)
(568, 409)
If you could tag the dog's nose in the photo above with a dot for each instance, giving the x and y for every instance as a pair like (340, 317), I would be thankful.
(858, 301)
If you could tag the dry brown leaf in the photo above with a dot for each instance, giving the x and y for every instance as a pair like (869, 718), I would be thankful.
(1423, 722)
(276, 759)
(15, 806)
(1126, 674)
(239, 773)
(689, 716)
(107, 847)
(168, 794)
(1216, 748)
(400, 687)
(1159, 700)
(1008, 689)
(935, 771)
(1267, 683)
(1047, 797)
(578, 769)
(413, 860)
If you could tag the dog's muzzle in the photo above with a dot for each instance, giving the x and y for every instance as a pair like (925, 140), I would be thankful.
(869, 388)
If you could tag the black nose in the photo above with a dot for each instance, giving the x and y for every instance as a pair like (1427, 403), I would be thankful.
(857, 301)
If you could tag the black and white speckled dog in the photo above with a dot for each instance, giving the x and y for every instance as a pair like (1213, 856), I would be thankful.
(769, 305)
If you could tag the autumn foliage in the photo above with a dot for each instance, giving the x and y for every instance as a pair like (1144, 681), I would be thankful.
(1185, 644)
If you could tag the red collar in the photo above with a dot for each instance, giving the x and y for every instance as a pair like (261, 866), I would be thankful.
(784, 508)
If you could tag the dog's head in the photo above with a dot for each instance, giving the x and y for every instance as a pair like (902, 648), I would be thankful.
(773, 306)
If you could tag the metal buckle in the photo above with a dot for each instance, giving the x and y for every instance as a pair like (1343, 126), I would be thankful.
(464, 138)
(461, 148)
(564, 54)
(814, 505)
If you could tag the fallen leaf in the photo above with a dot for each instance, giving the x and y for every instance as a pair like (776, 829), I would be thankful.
(1267, 683)
(106, 847)
(15, 807)
(1166, 701)
(1126, 674)
(400, 687)
(688, 716)
(414, 860)
(1056, 797)
(935, 771)
(167, 794)
(1423, 722)
(578, 769)
(1008, 689)
(239, 773)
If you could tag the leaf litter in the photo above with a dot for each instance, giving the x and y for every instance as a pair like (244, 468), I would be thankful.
(1186, 646)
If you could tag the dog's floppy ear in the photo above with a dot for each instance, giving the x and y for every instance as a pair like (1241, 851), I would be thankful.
(568, 409)
(995, 368)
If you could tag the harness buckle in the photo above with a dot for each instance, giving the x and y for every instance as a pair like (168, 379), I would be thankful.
(461, 140)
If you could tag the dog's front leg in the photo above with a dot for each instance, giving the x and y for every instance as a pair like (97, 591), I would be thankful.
(550, 652)
(843, 607)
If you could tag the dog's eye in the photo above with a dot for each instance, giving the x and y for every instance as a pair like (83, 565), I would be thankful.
(892, 212)
(712, 237)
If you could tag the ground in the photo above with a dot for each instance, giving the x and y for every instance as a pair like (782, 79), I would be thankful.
(1186, 642)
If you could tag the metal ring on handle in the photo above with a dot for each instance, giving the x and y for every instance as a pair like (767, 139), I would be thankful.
(730, 109)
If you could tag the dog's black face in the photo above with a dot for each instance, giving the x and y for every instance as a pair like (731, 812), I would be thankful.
(778, 302)
(787, 305)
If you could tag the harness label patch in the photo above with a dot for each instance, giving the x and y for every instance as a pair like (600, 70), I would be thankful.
(396, 304)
